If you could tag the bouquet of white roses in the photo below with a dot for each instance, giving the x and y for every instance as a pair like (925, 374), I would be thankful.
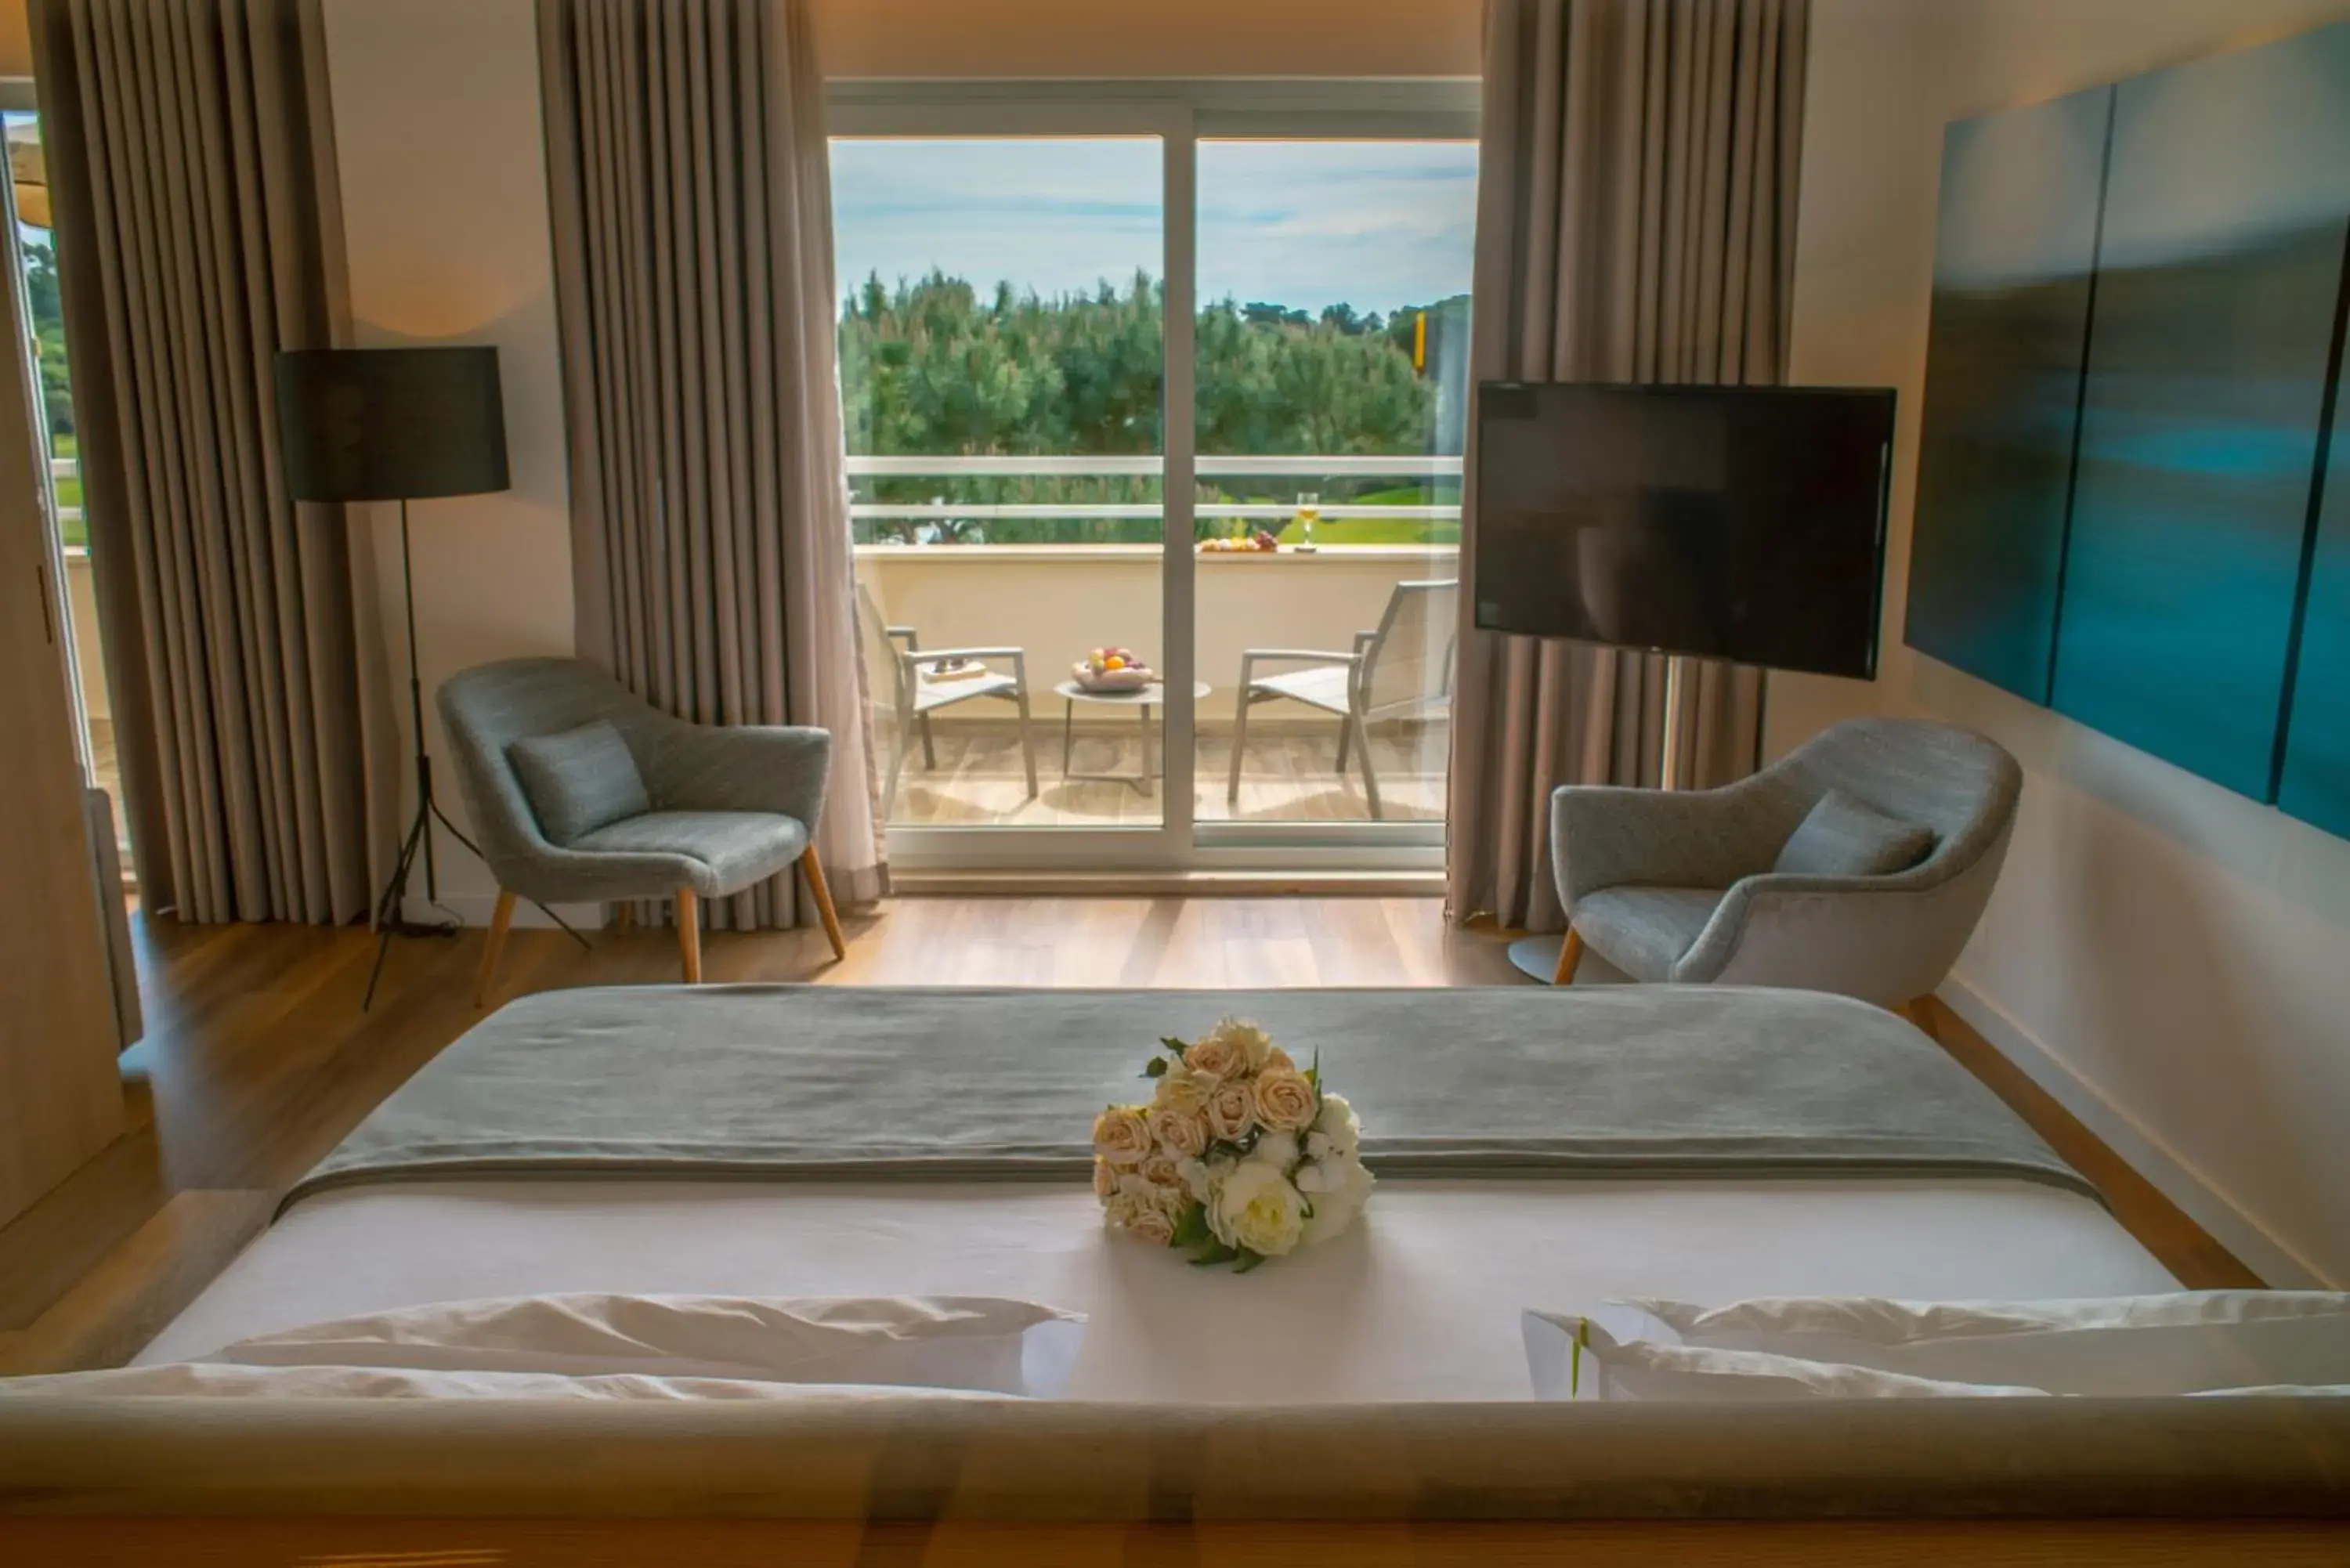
(1238, 1158)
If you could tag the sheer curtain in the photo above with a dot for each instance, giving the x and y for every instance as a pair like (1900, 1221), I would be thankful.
(1635, 222)
(191, 164)
(710, 555)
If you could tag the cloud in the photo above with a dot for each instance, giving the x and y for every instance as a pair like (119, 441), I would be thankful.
(1306, 223)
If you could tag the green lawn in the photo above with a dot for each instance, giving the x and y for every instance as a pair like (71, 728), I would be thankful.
(1338, 531)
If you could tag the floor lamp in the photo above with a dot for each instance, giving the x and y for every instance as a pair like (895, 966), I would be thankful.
(397, 424)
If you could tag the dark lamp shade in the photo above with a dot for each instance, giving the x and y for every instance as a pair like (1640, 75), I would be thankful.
(391, 424)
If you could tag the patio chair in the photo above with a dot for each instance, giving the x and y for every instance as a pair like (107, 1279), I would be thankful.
(908, 688)
(1402, 671)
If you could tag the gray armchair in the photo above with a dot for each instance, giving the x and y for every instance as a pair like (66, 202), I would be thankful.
(729, 807)
(1680, 887)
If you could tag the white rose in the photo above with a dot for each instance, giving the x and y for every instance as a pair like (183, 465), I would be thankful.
(1231, 1111)
(1183, 1134)
(1121, 1136)
(1255, 1208)
(1181, 1092)
(1278, 1149)
(1144, 1208)
(1214, 1058)
(1337, 1189)
(1286, 1099)
(1337, 1132)
(1252, 1044)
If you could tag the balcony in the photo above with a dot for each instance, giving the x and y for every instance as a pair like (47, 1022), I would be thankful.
(1055, 601)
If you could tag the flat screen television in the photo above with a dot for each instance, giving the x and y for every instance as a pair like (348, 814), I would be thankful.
(1737, 523)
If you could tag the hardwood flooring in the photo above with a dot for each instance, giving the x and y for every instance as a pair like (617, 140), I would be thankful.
(257, 1060)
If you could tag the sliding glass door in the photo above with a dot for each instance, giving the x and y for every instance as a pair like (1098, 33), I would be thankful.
(1090, 345)
(1001, 364)
(1332, 395)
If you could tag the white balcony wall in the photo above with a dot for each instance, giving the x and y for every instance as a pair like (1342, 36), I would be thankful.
(1060, 601)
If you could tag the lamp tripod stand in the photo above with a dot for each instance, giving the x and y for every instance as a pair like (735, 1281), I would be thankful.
(390, 909)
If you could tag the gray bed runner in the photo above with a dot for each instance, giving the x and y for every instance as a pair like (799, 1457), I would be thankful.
(842, 1083)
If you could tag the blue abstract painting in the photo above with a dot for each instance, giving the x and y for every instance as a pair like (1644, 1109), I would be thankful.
(2219, 272)
(2014, 252)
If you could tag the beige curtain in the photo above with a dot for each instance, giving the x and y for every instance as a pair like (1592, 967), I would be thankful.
(710, 555)
(190, 157)
(1635, 222)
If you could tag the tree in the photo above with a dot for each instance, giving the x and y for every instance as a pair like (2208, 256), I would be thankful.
(50, 336)
(930, 368)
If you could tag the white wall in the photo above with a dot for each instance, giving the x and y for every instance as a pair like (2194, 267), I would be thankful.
(1147, 37)
(2170, 960)
(441, 153)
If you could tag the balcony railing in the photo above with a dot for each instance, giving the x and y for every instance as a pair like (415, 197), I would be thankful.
(1428, 470)
(63, 469)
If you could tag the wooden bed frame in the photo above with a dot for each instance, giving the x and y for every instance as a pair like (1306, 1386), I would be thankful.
(450, 1484)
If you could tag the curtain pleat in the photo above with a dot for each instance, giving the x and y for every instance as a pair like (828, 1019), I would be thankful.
(1635, 222)
(693, 229)
(192, 163)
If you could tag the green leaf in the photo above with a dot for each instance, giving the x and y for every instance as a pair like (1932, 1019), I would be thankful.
(1248, 1261)
(1191, 1229)
(1175, 1047)
(1157, 1068)
(1211, 1256)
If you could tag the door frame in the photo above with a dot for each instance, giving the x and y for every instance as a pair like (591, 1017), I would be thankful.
(1180, 113)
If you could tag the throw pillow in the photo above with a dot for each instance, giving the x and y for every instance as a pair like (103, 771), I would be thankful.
(1845, 837)
(578, 780)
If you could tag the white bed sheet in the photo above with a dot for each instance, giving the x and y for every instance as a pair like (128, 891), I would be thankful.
(1421, 1302)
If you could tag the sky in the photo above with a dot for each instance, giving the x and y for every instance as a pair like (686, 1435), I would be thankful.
(1374, 224)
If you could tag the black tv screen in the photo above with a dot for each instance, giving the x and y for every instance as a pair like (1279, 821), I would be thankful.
(1737, 523)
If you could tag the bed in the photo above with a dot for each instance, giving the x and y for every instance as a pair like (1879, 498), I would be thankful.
(1535, 1149)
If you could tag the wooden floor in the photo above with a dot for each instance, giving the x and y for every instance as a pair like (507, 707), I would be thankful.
(257, 1061)
(1289, 774)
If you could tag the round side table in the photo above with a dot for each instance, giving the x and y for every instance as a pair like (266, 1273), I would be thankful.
(1142, 697)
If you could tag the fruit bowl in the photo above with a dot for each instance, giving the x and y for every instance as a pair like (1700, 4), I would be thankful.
(1112, 669)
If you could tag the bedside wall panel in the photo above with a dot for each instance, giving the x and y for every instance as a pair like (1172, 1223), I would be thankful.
(2015, 249)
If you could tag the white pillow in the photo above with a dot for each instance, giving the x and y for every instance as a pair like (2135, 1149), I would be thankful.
(2195, 1342)
(199, 1379)
(980, 1344)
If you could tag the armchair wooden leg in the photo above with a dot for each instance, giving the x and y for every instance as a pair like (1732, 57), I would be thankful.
(689, 933)
(624, 917)
(823, 896)
(1570, 954)
(500, 918)
(1919, 1011)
